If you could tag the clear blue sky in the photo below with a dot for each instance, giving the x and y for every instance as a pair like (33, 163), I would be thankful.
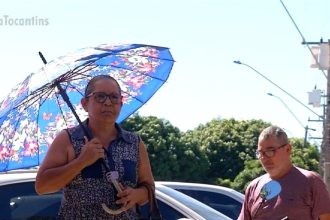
(204, 36)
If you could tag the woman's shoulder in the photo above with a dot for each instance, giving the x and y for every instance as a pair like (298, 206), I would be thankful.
(77, 132)
(128, 136)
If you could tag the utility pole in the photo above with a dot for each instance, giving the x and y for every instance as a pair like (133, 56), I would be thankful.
(306, 133)
(322, 60)
(326, 145)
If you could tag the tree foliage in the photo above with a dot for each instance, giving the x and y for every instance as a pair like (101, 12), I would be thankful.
(227, 144)
(252, 170)
(170, 157)
(306, 157)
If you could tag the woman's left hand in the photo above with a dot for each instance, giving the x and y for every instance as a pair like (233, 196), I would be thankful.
(129, 197)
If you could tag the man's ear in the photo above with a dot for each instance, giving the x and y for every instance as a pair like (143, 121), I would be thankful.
(83, 103)
(289, 149)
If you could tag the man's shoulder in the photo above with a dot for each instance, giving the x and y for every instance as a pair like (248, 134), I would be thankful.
(261, 179)
(307, 173)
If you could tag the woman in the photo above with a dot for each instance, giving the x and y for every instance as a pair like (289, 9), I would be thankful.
(74, 163)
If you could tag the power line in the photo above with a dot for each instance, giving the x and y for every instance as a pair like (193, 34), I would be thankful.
(303, 38)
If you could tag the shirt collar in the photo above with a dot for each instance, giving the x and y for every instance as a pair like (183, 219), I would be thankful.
(122, 134)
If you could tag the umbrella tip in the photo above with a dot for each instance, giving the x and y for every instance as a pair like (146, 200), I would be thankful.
(42, 58)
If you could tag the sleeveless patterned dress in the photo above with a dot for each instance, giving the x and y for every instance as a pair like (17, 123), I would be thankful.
(83, 196)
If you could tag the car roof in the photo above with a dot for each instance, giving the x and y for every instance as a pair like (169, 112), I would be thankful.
(17, 176)
(205, 187)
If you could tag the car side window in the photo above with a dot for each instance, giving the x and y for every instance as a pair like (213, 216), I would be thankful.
(220, 202)
(20, 201)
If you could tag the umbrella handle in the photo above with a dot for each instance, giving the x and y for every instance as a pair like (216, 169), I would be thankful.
(117, 186)
(111, 177)
(112, 211)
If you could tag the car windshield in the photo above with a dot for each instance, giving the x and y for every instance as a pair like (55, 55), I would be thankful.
(200, 208)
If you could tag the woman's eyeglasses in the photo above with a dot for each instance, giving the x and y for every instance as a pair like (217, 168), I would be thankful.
(101, 97)
(268, 153)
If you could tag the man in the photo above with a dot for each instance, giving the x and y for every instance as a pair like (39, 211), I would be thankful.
(303, 194)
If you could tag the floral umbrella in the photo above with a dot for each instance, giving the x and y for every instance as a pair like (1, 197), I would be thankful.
(48, 101)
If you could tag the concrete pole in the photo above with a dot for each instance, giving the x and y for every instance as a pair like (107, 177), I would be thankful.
(306, 133)
(327, 174)
(325, 154)
(324, 163)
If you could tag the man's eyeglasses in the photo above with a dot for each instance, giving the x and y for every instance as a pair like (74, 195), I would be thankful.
(268, 153)
(101, 97)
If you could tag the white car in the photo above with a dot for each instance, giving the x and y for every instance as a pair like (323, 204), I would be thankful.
(19, 200)
(223, 199)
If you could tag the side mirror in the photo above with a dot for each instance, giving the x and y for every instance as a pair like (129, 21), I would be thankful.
(270, 190)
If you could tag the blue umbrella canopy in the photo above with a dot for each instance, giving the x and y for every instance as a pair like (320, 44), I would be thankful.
(34, 111)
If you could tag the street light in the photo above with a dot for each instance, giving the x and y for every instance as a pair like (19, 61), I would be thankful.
(305, 127)
(239, 62)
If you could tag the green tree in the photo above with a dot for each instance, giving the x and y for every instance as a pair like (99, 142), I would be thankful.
(170, 158)
(161, 139)
(252, 170)
(227, 144)
(194, 164)
(306, 157)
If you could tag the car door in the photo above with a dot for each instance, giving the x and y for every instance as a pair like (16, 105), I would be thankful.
(20, 201)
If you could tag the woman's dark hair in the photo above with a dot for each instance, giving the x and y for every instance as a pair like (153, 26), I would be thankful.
(90, 86)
